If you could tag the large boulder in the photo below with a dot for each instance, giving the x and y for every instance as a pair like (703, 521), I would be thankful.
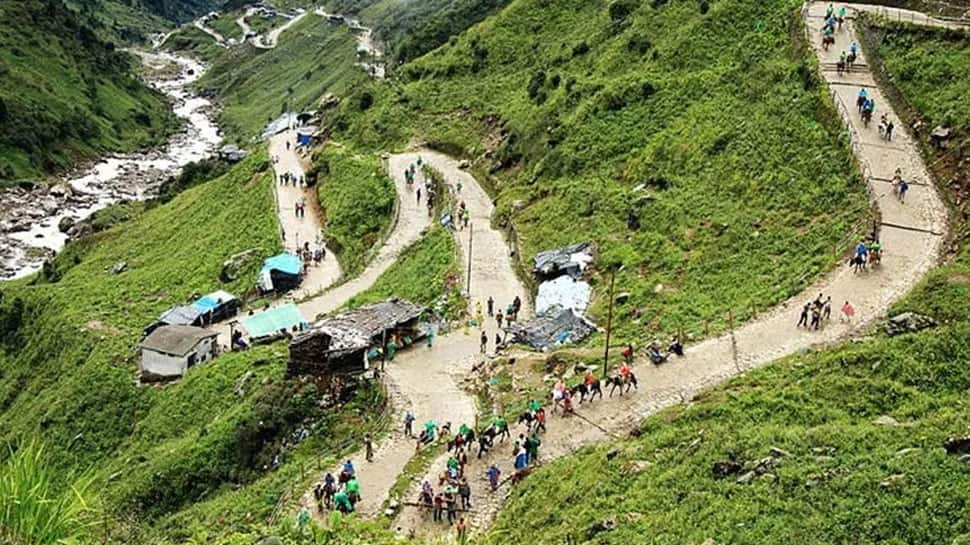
(908, 322)
(232, 266)
(65, 224)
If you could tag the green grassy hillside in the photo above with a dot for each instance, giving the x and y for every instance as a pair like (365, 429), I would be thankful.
(411, 29)
(65, 95)
(164, 459)
(690, 141)
(845, 478)
(255, 86)
(358, 199)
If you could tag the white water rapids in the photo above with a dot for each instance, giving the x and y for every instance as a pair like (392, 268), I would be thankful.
(29, 219)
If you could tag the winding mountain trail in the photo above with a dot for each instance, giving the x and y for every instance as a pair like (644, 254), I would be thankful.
(211, 32)
(272, 38)
(429, 380)
(912, 235)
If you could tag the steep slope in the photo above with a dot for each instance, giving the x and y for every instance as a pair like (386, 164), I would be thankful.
(65, 95)
(850, 439)
(689, 140)
(163, 457)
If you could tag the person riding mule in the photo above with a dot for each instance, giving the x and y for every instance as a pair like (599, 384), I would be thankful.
(867, 109)
(622, 383)
(590, 386)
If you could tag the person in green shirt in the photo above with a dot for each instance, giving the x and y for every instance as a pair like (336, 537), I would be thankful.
(532, 447)
(430, 431)
(453, 464)
(458, 186)
(342, 502)
(534, 405)
(353, 490)
(303, 518)
(391, 350)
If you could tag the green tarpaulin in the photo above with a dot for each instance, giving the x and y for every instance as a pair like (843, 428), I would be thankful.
(269, 323)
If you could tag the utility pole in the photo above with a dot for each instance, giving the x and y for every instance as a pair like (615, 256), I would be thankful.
(609, 325)
(383, 349)
(468, 280)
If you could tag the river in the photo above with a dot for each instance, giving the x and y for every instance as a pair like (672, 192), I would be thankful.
(30, 219)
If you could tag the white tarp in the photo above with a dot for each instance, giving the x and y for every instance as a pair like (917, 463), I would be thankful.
(564, 292)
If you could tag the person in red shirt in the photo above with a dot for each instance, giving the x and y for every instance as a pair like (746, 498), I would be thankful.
(628, 353)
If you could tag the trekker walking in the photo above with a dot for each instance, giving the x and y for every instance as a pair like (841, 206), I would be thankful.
(419, 195)
(369, 447)
(848, 311)
(816, 318)
(461, 531)
(409, 424)
(465, 493)
(494, 473)
(484, 341)
(498, 319)
(491, 306)
(827, 309)
(803, 318)
(439, 502)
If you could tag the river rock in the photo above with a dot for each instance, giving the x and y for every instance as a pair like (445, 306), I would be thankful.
(908, 322)
(65, 224)
(61, 190)
(119, 267)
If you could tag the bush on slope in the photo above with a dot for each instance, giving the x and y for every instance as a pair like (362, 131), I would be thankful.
(357, 197)
(694, 147)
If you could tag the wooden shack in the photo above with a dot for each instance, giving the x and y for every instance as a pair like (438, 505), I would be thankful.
(339, 345)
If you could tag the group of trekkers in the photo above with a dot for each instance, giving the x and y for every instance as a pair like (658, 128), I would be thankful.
(867, 253)
(311, 255)
(288, 178)
(832, 22)
(506, 319)
(341, 493)
(427, 189)
(815, 314)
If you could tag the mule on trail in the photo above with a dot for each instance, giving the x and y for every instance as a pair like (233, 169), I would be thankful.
(592, 390)
(624, 385)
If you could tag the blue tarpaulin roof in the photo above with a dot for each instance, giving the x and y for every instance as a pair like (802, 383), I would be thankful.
(269, 323)
(213, 300)
(287, 263)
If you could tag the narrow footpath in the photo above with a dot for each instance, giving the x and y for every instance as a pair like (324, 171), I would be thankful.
(298, 230)
(220, 40)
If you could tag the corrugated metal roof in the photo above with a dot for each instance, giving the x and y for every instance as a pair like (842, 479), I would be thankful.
(355, 328)
(176, 340)
(180, 315)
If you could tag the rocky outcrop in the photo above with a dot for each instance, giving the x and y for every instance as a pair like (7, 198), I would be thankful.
(908, 322)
